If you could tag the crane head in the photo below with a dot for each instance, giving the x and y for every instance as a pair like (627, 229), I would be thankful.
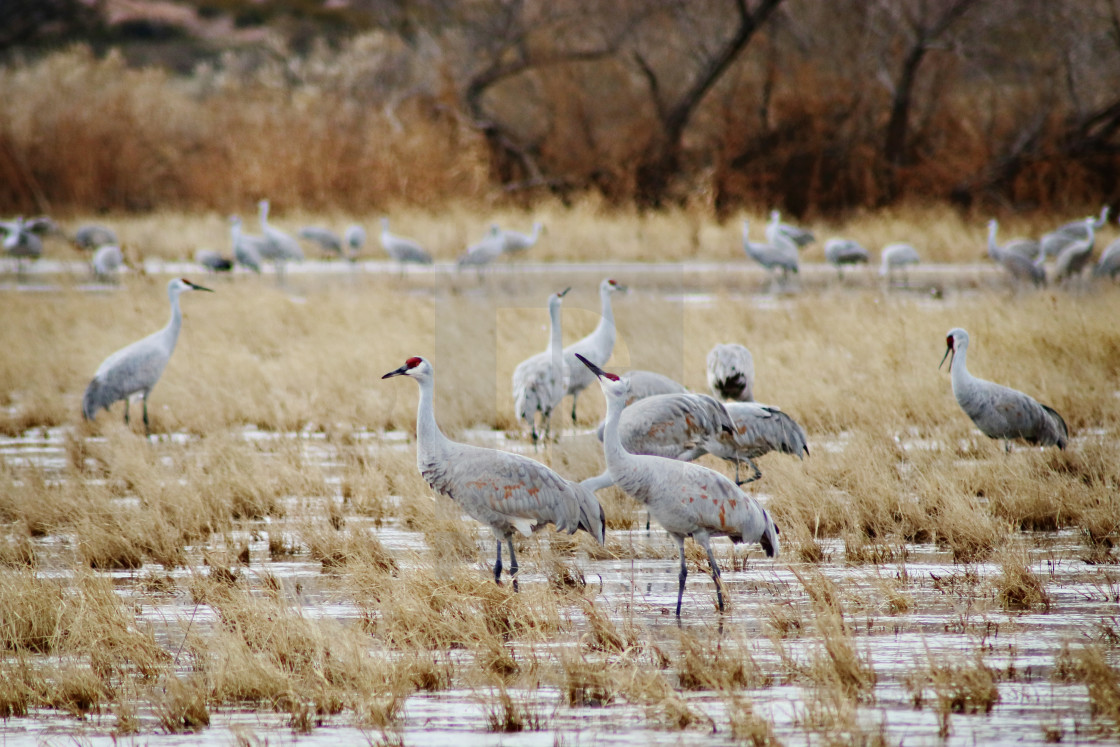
(957, 338)
(613, 285)
(613, 385)
(194, 286)
(411, 367)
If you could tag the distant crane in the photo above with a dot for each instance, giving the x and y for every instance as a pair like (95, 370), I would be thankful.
(402, 249)
(897, 257)
(355, 238)
(517, 242)
(1109, 263)
(485, 251)
(1018, 265)
(1075, 256)
(731, 372)
(246, 247)
(999, 411)
(21, 238)
(213, 261)
(1054, 242)
(777, 232)
(107, 260)
(540, 382)
(596, 347)
(327, 240)
(135, 369)
(775, 256)
(91, 236)
(840, 252)
(687, 500)
(507, 492)
(278, 246)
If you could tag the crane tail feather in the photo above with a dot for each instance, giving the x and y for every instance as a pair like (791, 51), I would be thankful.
(769, 538)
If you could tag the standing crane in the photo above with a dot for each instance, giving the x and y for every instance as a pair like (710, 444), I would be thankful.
(355, 238)
(687, 500)
(135, 369)
(540, 382)
(731, 372)
(507, 492)
(781, 255)
(278, 246)
(1017, 264)
(1109, 263)
(999, 411)
(402, 249)
(1075, 256)
(246, 247)
(897, 256)
(777, 232)
(1054, 242)
(840, 252)
(106, 261)
(91, 236)
(517, 242)
(21, 238)
(757, 430)
(597, 346)
(485, 251)
(325, 238)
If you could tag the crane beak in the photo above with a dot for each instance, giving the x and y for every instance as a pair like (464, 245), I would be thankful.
(564, 292)
(596, 370)
(403, 370)
(196, 286)
(948, 349)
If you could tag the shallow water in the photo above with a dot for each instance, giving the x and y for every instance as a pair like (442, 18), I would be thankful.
(951, 618)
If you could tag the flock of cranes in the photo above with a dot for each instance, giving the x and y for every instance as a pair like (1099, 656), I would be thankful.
(653, 432)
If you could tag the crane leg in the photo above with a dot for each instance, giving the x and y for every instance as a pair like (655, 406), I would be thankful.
(147, 430)
(575, 397)
(683, 575)
(512, 564)
(715, 575)
(1007, 446)
(126, 410)
(498, 565)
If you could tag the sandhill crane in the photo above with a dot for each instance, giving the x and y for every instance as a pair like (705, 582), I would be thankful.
(517, 242)
(757, 430)
(246, 247)
(648, 383)
(780, 256)
(1017, 265)
(401, 249)
(91, 236)
(687, 500)
(1054, 242)
(106, 261)
(840, 252)
(897, 257)
(1109, 263)
(355, 238)
(596, 347)
(485, 251)
(213, 261)
(325, 238)
(278, 247)
(540, 382)
(776, 232)
(507, 492)
(731, 372)
(998, 411)
(135, 369)
(21, 238)
(1075, 256)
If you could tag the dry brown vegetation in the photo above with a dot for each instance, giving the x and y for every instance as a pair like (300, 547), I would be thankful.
(280, 456)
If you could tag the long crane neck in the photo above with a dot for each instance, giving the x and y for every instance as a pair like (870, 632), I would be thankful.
(555, 332)
(616, 456)
(171, 331)
(430, 441)
(606, 323)
(993, 247)
(962, 379)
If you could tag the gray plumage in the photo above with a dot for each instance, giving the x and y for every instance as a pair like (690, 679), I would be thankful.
(1075, 256)
(135, 369)
(731, 372)
(687, 500)
(840, 252)
(279, 247)
(246, 247)
(327, 240)
(507, 492)
(91, 236)
(402, 249)
(775, 256)
(998, 411)
(213, 261)
(1109, 263)
(757, 430)
(1061, 237)
(516, 242)
(355, 238)
(777, 232)
(21, 237)
(107, 260)
(485, 251)
(541, 381)
(648, 383)
(1017, 265)
(597, 347)
(896, 258)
